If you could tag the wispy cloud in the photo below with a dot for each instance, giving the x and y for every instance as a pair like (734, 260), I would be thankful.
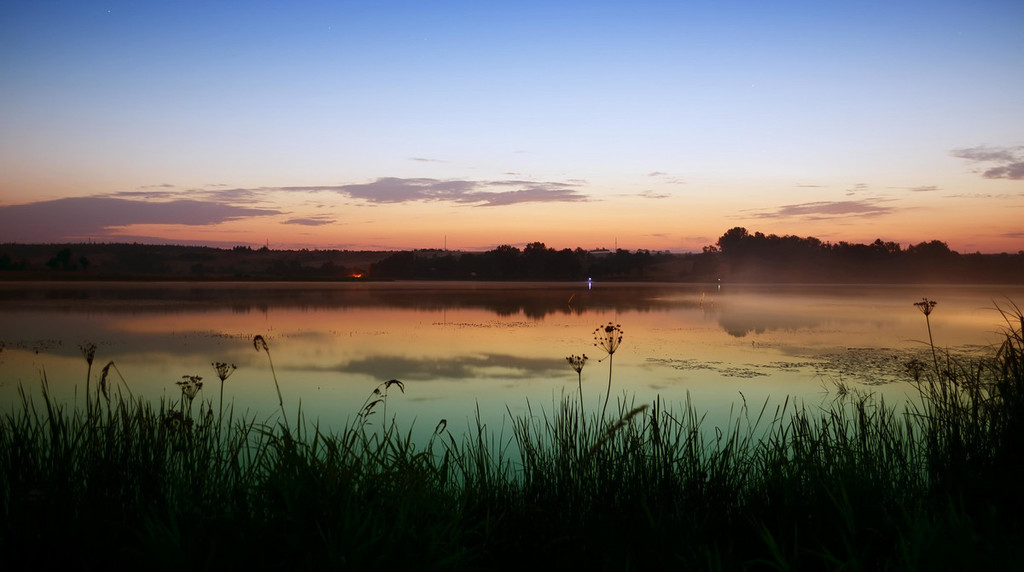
(918, 189)
(984, 196)
(1009, 161)
(145, 194)
(83, 217)
(537, 194)
(858, 188)
(654, 195)
(389, 190)
(825, 210)
(666, 178)
(101, 215)
(310, 221)
(219, 195)
(398, 190)
(426, 160)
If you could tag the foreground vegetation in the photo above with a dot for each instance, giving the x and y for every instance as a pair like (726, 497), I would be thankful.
(859, 485)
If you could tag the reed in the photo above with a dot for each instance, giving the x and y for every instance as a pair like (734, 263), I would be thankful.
(260, 343)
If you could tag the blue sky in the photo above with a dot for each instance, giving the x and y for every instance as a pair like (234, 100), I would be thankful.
(392, 124)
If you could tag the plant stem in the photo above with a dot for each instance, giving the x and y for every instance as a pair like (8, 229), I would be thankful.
(579, 383)
(88, 402)
(280, 400)
(608, 394)
(935, 360)
(220, 414)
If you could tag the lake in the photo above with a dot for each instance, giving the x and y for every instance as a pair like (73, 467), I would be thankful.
(466, 347)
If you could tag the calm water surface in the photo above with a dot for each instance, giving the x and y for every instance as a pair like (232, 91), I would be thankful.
(460, 347)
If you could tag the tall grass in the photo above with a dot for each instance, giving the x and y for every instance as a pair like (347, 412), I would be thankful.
(859, 485)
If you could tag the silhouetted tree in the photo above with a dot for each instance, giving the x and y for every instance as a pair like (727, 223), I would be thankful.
(505, 262)
(934, 250)
(61, 260)
(6, 263)
(734, 240)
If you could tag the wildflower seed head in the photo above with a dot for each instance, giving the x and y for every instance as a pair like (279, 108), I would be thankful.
(224, 370)
(190, 386)
(608, 337)
(260, 344)
(577, 362)
(89, 351)
(926, 306)
(103, 379)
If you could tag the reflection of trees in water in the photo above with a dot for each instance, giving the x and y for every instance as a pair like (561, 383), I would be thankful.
(534, 300)
(531, 302)
(738, 322)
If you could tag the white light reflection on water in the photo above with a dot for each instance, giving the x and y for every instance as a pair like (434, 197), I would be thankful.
(459, 346)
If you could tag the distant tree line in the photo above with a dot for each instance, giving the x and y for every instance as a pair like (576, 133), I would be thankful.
(149, 262)
(534, 262)
(742, 256)
(65, 260)
(737, 256)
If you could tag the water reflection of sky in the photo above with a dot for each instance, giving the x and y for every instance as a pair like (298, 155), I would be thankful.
(494, 345)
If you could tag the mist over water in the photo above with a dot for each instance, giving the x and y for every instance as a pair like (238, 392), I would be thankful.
(460, 347)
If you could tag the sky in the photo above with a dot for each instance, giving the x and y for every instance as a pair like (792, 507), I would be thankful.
(465, 125)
